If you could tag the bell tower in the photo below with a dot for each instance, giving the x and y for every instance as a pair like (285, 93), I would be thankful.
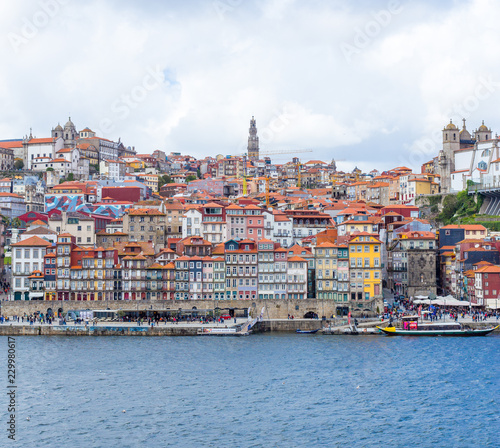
(253, 141)
(451, 143)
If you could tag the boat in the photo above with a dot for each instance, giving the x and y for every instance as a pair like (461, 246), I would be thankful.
(306, 331)
(354, 331)
(221, 332)
(411, 327)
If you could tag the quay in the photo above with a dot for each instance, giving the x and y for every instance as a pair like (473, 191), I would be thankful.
(191, 328)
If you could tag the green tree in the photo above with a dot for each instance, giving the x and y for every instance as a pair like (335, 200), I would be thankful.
(49, 169)
(19, 164)
(198, 173)
(190, 178)
(70, 177)
(165, 179)
(16, 223)
(450, 206)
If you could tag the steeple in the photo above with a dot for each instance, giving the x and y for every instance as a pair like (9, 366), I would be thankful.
(483, 133)
(465, 138)
(253, 141)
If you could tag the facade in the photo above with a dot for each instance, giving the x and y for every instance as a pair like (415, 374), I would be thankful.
(12, 205)
(81, 226)
(412, 264)
(365, 271)
(6, 159)
(487, 286)
(28, 259)
(113, 169)
(146, 224)
(326, 271)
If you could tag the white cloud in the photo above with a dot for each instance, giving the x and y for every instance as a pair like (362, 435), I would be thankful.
(261, 58)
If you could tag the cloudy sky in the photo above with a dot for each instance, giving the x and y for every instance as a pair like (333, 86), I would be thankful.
(368, 83)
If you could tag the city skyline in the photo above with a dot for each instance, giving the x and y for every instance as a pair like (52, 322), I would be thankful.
(377, 86)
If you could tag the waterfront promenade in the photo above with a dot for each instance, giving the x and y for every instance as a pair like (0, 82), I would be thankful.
(183, 328)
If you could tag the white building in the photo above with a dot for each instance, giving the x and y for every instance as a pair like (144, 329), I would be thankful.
(192, 223)
(113, 169)
(278, 227)
(297, 278)
(27, 259)
(12, 205)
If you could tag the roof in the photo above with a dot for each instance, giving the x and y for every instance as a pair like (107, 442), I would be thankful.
(464, 227)
(40, 231)
(31, 242)
(145, 211)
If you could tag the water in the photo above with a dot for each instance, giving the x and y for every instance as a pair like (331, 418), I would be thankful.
(257, 391)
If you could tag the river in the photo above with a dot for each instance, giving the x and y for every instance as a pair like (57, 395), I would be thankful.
(270, 390)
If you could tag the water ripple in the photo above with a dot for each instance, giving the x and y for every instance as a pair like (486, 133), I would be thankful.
(264, 390)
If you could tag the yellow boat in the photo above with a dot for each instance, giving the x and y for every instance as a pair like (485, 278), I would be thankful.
(413, 328)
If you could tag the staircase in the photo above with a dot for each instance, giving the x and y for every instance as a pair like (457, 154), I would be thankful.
(491, 206)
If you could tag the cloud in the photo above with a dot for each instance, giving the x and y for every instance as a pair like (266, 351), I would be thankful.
(281, 61)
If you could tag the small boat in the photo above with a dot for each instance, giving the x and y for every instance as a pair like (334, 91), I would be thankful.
(306, 331)
(411, 327)
(221, 332)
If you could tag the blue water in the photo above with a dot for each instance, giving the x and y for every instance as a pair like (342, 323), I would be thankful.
(257, 391)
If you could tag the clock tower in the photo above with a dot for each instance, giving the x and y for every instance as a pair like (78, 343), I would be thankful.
(253, 141)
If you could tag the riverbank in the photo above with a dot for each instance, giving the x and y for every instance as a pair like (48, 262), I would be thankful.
(187, 329)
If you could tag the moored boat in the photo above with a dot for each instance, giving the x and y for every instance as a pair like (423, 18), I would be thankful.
(411, 327)
(222, 332)
(306, 331)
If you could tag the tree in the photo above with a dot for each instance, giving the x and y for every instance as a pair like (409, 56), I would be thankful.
(49, 169)
(162, 180)
(19, 164)
(198, 173)
(450, 206)
(190, 178)
(16, 223)
(71, 177)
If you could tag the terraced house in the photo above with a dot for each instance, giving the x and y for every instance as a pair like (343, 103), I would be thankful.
(365, 271)
(146, 224)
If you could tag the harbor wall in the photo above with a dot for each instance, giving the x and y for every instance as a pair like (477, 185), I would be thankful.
(266, 326)
(274, 309)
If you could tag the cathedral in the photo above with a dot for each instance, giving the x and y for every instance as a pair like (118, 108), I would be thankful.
(466, 157)
(68, 134)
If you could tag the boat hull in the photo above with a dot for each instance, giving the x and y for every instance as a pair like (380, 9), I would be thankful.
(391, 331)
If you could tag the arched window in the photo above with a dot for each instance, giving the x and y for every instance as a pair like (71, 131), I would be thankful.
(454, 136)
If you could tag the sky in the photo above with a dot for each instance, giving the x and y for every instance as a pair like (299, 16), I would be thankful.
(368, 83)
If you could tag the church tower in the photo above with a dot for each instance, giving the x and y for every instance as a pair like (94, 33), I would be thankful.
(69, 134)
(253, 141)
(483, 133)
(451, 143)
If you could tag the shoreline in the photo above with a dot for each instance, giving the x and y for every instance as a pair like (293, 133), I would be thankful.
(265, 326)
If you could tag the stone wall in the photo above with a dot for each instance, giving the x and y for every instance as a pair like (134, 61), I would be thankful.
(274, 309)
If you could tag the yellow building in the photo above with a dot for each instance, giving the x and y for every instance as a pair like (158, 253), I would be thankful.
(151, 181)
(365, 271)
(136, 164)
(326, 271)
